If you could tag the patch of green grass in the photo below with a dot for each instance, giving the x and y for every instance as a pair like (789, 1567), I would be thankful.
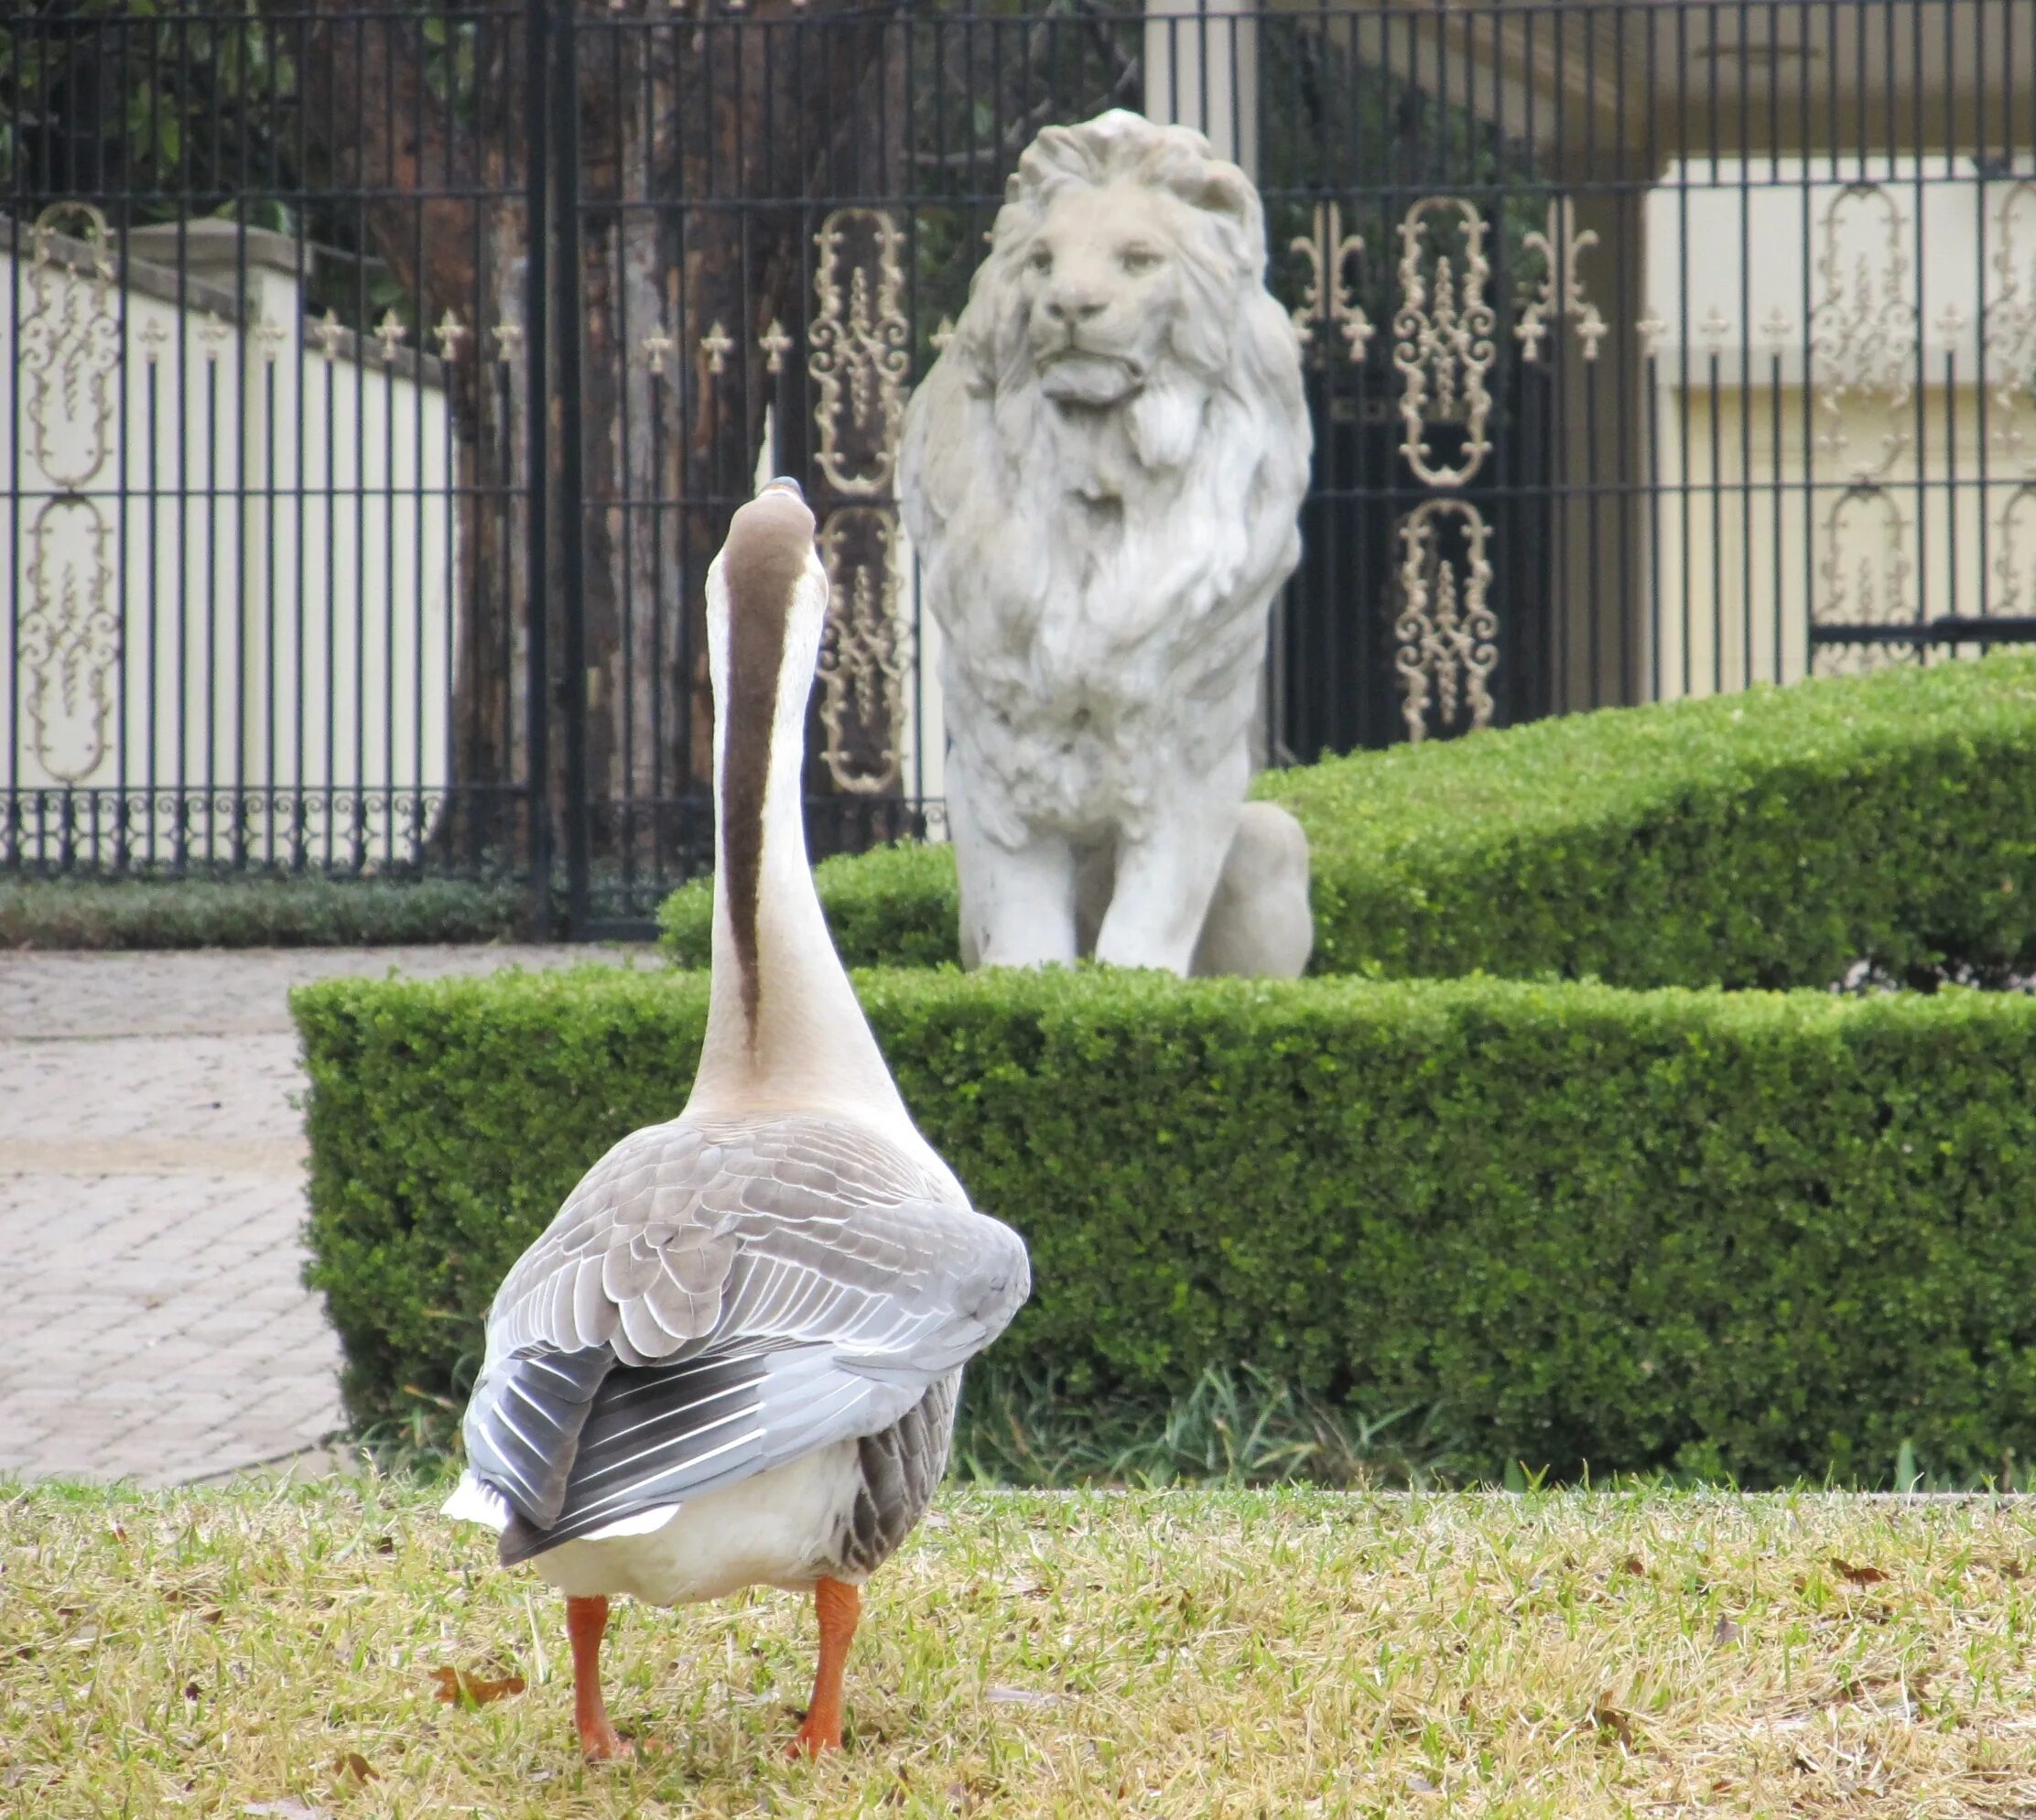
(1246, 1653)
(1241, 1427)
(309, 912)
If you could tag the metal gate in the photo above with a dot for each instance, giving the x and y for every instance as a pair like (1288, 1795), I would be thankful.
(379, 383)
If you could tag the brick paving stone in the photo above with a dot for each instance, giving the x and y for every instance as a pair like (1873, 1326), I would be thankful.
(151, 1207)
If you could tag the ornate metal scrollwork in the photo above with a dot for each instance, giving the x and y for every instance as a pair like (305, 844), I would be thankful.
(858, 349)
(859, 354)
(1865, 572)
(1442, 340)
(1863, 330)
(862, 654)
(2015, 571)
(1326, 300)
(2010, 353)
(69, 346)
(1446, 636)
(1562, 250)
(67, 644)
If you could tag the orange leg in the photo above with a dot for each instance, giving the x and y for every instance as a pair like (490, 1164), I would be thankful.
(837, 1606)
(587, 1624)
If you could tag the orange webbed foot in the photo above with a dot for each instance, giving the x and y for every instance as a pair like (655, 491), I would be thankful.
(815, 1739)
(604, 1744)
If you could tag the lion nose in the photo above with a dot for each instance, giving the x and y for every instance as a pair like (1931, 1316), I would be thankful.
(1064, 304)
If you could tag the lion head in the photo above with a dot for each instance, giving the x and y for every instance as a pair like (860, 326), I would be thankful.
(1125, 274)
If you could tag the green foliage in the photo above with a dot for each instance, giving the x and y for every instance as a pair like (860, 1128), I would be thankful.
(254, 913)
(1232, 1426)
(1771, 839)
(893, 906)
(1765, 1235)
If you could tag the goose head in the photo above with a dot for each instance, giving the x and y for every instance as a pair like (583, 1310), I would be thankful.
(766, 607)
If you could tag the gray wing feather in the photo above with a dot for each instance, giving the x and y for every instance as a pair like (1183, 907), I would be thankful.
(710, 1304)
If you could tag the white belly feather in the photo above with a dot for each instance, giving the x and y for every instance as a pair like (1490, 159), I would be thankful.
(778, 1529)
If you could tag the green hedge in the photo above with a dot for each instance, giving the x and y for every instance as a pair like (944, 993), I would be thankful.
(1765, 1234)
(1769, 838)
(308, 912)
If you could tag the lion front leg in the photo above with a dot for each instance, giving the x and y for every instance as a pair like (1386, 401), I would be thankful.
(1017, 905)
(1166, 878)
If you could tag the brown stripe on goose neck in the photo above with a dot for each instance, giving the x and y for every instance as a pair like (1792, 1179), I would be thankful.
(770, 543)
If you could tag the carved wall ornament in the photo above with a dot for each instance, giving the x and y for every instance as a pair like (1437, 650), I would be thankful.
(1562, 249)
(1326, 300)
(1863, 330)
(858, 349)
(1443, 336)
(1446, 636)
(2010, 352)
(863, 659)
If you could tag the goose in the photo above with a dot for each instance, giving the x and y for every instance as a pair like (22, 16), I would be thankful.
(733, 1357)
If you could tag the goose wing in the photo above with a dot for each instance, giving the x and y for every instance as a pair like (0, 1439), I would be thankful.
(708, 1304)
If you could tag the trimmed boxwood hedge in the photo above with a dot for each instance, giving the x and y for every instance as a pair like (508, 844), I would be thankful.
(1767, 1234)
(1769, 838)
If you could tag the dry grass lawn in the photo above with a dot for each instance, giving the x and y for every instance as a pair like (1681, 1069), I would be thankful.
(270, 1652)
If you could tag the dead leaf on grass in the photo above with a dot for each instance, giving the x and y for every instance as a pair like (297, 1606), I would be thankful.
(1859, 1577)
(1633, 1564)
(286, 1809)
(1610, 1721)
(458, 1688)
(1726, 1631)
(350, 1766)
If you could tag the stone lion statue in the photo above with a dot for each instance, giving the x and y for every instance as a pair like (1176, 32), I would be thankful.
(1102, 474)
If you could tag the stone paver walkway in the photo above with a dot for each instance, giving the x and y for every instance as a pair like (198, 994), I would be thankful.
(153, 1325)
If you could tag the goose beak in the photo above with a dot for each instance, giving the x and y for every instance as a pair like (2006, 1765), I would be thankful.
(783, 483)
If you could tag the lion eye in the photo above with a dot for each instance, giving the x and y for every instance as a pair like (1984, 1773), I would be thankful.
(1136, 259)
(1042, 260)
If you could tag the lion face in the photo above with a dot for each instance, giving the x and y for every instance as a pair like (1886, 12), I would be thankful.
(1100, 289)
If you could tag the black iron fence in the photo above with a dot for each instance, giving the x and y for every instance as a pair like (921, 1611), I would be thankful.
(382, 378)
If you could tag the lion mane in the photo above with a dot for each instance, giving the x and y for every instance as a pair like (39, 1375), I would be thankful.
(1102, 568)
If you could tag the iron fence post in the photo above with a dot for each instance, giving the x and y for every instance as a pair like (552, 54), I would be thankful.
(538, 469)
(565, 118)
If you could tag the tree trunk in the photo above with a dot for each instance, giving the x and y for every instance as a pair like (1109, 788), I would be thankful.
(372, 122)
(700, 141)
